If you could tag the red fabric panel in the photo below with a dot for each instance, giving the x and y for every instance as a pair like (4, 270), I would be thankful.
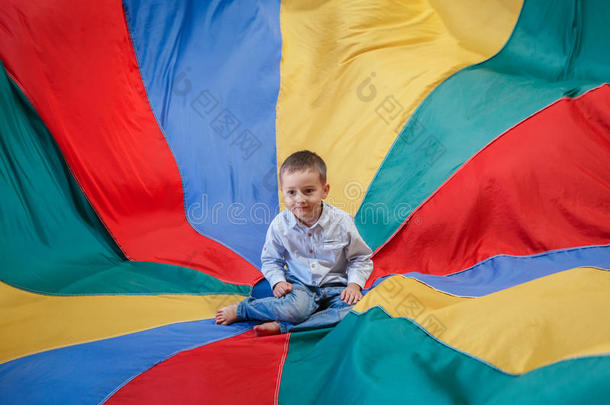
(542, 185)
(244, 369)
(75, 62)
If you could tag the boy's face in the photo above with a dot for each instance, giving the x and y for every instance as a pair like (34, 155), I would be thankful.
(303, 194)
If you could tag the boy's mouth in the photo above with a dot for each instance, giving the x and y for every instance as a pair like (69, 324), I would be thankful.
(302, 210)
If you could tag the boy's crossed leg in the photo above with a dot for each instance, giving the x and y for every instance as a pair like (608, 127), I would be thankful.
(333, 311)
(294, 311)
(296, 306)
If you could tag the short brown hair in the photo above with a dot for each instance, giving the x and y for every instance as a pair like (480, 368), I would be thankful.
(303, 160)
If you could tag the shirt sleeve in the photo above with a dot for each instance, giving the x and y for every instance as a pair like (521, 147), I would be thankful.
(273, 257)
(358, 255)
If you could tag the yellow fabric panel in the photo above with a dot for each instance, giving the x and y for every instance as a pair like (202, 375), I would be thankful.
(497, 15)
(518, 329)
(352, 72)
(32, 323)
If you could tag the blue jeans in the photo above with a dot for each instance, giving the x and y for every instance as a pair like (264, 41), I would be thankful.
(303, 308)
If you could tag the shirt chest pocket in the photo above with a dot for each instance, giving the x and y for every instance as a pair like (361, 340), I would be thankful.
(333, 245)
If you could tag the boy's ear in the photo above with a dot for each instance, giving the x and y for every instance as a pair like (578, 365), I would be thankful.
(325, 190)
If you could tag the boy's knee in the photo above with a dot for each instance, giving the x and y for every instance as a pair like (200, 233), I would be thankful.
(295, 315)
(295, 308)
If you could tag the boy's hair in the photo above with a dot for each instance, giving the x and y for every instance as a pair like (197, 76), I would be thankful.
(303, 160)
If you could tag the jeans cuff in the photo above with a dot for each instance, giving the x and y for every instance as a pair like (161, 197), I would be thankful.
(284, 326)
(241, 312)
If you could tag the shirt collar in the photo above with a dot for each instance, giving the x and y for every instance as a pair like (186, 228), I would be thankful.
(323, 221)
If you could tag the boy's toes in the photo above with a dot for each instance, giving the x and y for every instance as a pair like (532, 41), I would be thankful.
(226, 315)
(218, 318)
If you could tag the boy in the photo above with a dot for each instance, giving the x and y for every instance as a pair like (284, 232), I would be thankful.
(313, 257)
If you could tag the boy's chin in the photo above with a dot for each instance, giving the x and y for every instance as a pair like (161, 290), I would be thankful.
(302, 216)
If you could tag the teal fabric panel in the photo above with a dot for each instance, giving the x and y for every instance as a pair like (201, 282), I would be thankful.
(51, 240)
(555, 51)
(373, 358)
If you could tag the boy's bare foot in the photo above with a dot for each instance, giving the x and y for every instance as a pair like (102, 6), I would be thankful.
(267, 328)
(226, 315)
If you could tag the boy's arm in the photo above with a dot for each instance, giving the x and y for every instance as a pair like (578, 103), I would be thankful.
(272, 258)
(358, 255)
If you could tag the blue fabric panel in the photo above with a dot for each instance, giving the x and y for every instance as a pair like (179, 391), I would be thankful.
(503, 271)
(211, 71)
(90, 373)
(262, 289)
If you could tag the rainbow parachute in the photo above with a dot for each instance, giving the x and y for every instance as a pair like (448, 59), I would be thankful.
(138, 173)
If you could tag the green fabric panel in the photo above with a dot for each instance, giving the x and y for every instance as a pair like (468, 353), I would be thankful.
(373, 358)
(558, 48)
(51, 240)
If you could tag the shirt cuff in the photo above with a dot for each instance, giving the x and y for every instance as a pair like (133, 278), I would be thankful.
(357, 279)
(276, 278)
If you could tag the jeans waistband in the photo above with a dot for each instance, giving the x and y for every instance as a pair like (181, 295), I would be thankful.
(292, 279)
(333, 285)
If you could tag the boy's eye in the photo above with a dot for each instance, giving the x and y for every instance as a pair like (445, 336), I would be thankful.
(309, 190)
(291, 192)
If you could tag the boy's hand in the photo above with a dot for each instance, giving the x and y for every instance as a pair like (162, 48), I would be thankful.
(282, 288)
(351, 294)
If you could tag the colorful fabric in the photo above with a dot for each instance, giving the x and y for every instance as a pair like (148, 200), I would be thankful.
(139, 149)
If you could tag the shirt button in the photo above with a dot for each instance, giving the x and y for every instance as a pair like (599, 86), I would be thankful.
(314, 283)
(309, 234)
(310, 250)
(313, 265)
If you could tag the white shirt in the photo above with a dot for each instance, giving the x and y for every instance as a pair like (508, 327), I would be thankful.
(330, 251)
